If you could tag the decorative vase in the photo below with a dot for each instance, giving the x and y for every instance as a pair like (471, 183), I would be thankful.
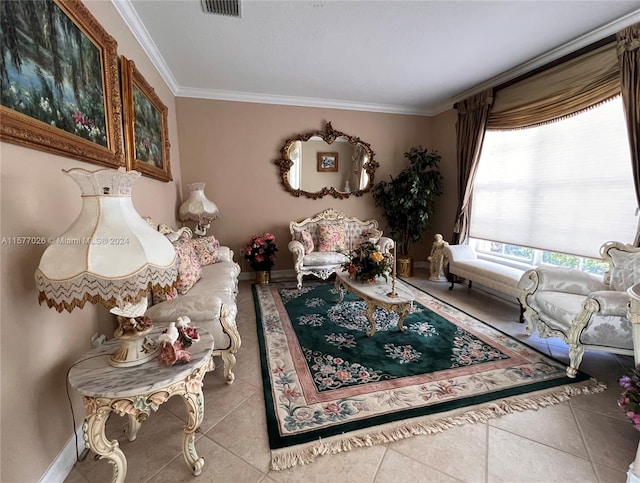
(405, 266)
(263, 276)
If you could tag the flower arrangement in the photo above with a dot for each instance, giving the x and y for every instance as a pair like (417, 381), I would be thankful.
(629, 401)
(367, 262)
(261, 251)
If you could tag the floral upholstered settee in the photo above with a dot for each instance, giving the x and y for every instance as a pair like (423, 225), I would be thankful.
(206, 292)
(320, 244)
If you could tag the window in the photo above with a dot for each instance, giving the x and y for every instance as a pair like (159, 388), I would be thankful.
(524, 257)
(566, 187)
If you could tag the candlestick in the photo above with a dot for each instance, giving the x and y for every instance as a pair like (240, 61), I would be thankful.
(393, 293)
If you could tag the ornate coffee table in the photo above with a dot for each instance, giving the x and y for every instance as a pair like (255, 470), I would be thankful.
(135, 392)
(376, 295)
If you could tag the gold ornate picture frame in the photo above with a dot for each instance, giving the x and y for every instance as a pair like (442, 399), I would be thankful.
(59, 85)
(146, 130)
(327, 162)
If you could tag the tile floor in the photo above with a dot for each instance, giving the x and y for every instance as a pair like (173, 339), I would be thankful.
(586, 439)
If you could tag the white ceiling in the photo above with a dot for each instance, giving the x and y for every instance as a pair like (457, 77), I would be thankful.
(410, 57)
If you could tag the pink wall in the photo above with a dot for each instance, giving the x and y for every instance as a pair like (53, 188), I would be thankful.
(38, 344)
(231, 147)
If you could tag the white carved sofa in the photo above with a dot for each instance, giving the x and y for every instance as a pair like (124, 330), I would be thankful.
(583, 310)
(210, 303)
(320, 244)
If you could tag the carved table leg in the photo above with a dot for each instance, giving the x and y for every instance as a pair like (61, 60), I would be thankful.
(371, 307)
(340, 290)
(402, 311)
(133, 427)
(93, 427)
(194, 401)
(229, 360)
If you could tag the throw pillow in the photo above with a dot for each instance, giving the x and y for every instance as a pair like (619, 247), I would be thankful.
(307, 241)
(189, 267)
(207, 249)
(369, 235)
(331, 237)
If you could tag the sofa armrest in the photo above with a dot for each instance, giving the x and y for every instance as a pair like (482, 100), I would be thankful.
(456, 253)
(225, 254)
(195, 307)
(386, 244)
(560, 279)
(296, 247)
(611, 302)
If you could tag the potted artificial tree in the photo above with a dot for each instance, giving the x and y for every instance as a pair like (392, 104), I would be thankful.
(408, 202)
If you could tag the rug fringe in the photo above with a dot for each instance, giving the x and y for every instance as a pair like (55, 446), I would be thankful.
(282, 459)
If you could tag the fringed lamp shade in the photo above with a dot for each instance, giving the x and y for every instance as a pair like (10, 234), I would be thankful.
(109, 255)
(197, 207)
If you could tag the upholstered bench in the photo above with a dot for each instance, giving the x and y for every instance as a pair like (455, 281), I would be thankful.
(320, 244)
(462, 261)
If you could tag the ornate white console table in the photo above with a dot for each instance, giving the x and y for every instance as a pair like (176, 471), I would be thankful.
(377, 295)
(135, 392)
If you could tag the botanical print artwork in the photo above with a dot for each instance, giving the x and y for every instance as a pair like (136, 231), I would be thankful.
(148, 124)
(50, 70)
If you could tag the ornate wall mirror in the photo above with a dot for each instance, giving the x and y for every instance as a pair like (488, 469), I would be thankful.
(328, 162)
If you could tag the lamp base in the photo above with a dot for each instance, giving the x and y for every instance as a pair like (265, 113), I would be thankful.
(135, 349)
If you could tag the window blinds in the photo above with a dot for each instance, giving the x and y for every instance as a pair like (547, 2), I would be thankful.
(564, 186)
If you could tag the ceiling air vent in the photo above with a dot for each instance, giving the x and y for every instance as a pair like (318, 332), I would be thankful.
(222, 7)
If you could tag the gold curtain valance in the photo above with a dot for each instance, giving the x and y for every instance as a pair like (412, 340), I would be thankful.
(560, 91)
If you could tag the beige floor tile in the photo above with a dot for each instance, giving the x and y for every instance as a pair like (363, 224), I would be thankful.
(243, 432)
(609, 475)
(248, 368)
(553, 426)
(604, 403)
(610, 442)
(397, 468)
(445, 451)
(512, 458)
(219, 399)
(220, 466)
(75, 477)
(159, 441)
(357, 466)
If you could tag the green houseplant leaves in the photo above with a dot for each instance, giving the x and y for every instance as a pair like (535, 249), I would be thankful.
(408, 200)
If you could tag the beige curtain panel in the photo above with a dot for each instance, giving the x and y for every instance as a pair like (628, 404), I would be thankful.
(473, 113)
(628, 43)
(559, 91)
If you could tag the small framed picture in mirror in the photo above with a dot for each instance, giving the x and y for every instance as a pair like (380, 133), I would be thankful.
(327, 161)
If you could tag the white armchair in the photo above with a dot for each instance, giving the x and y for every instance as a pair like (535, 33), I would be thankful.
(586, 312)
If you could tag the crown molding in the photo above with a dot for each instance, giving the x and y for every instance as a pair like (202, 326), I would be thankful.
(140, 32)
(299, 101)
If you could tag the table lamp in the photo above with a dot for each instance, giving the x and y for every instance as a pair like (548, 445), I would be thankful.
(198, 208)
(109, 255)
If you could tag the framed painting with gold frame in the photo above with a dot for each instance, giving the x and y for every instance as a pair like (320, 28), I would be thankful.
(146, 130)
(327, 162)
(59, 87)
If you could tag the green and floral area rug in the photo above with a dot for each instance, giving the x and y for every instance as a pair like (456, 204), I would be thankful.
(330, 388)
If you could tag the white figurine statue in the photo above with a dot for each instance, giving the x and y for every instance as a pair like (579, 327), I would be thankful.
(436, 273)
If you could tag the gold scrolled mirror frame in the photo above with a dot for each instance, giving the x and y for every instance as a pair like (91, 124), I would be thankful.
(312, 165)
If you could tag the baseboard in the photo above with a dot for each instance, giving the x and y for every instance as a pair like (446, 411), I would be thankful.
(60, 468)
(275, 274)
